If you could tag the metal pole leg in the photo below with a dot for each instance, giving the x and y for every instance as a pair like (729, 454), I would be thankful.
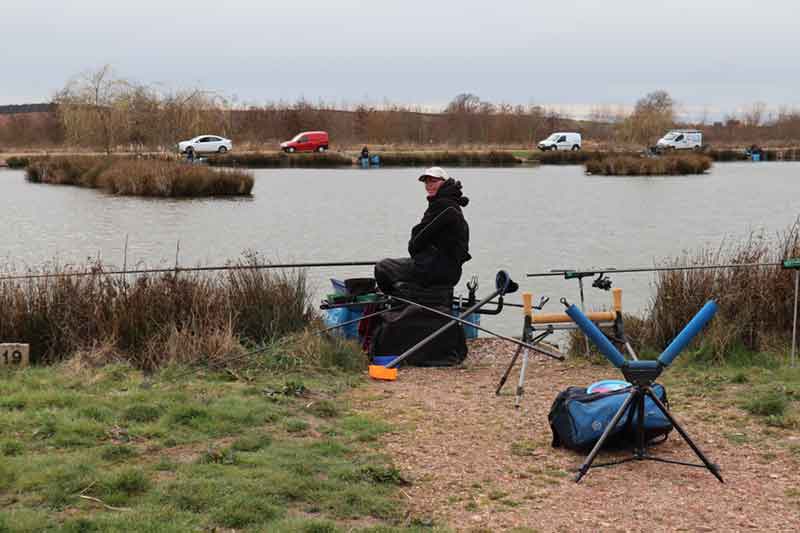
(520, 387)
(508, 371)
(587, 463)
(794, 325)
(713, 468)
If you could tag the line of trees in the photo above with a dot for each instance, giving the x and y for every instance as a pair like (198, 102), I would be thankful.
(100, 110)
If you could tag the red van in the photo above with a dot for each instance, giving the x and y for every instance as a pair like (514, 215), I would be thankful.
(307, 141)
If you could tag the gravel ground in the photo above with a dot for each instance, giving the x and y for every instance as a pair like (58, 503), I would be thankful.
(475, 463)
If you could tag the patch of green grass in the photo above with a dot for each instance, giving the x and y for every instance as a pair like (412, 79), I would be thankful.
(736, 438)
(117, 453)
(25, 520)
(80, 525)
(144, 413)
(165, 464)
(117, 488)
(178, 476)
(365, 429)
(523, 448)
(10, 448)
(240, 511)
(296, 425)
(324, 409)
(772, 403)
(740, 377)
(189, 415)
(497, 494)
(252, 442)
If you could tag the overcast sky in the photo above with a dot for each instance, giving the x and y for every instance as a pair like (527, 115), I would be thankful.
(712, 54)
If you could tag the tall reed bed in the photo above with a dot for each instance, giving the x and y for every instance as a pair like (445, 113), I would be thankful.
(150, 320)
(755, 304)
(668, 165)
(140, 177)
(280, 160)
(446, 158)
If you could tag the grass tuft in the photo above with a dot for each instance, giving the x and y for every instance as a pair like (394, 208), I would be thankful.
(771, 403)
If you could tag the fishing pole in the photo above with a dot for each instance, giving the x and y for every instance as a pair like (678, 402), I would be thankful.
(574, 273)
(184, 269)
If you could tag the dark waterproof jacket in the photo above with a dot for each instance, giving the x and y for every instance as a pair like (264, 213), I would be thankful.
(439, 244)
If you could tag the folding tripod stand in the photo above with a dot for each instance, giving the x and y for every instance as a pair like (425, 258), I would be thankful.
(549, 323)
(642, 374)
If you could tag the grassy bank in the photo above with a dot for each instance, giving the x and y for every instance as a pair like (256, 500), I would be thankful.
(388, 158)
(106, 449)
(140, 177)
(152, 320)
(281, 160)
(446, 158)
(668, 165)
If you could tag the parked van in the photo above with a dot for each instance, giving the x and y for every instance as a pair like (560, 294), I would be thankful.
(681, 140)
(307, 141)
(561, 141)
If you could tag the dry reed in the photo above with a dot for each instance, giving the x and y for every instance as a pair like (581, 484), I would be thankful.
(670, 165)
(152, 320)
(140, 177)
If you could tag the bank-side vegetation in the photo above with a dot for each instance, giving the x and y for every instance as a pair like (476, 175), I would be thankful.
(667, 165)
(140, 177)
(150, 320)
(280, 160)
(454, 158)
(183, 402)
(756, 304)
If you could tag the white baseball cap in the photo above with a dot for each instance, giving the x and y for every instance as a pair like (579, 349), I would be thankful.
(434, 172)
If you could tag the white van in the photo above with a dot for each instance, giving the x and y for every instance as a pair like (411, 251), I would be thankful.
(681, 140)
(561, 141)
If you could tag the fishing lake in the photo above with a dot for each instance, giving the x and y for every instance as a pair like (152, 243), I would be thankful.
(524, 220)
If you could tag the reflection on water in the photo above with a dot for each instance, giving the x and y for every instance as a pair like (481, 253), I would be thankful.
(522, 219)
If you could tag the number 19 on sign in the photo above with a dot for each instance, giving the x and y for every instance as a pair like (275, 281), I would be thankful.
(14, 354)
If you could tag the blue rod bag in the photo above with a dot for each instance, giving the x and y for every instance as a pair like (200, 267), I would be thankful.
(578, 419)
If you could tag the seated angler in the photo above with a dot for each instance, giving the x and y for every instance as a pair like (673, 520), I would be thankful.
(439, 244)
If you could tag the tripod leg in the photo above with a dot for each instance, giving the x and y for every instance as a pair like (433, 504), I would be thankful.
(520, 385)
(508, 371)
(713, 468)
(587, 463)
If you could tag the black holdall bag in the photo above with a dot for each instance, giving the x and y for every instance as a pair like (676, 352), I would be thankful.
(578, 419)
(403, 327)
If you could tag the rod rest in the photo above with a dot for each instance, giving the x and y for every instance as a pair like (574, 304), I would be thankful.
(642, 373)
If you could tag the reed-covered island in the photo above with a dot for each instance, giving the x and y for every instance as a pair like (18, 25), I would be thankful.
(141, 177)
(667, 165)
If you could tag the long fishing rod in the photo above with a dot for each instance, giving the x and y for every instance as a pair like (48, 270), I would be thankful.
(183, 269)
(575, 273)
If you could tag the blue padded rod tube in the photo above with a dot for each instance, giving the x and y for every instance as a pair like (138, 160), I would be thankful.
(687, 333)
(594, 333)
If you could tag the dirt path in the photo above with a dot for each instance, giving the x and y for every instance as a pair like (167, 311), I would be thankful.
(477, 464)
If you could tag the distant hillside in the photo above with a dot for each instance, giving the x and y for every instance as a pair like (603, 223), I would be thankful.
(26, 108)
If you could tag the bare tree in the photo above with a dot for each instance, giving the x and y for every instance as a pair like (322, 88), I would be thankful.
(93, 107)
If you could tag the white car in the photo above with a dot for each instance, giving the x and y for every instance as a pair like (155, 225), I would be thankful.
(561, 141)
(205, 144)
(681, 140)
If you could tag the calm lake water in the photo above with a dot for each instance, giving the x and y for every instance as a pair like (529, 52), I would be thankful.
(521, 219)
